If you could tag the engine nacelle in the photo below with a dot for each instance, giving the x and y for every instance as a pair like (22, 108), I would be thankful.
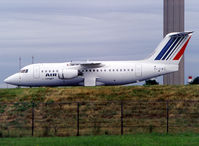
(68, 73)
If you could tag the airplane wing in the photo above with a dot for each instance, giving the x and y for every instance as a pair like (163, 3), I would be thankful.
(88, 64)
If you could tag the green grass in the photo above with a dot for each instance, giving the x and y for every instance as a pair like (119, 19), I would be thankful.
(65, 94)
(98, 115)
(127, 140)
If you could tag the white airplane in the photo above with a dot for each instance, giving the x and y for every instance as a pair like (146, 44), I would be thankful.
(165, 59)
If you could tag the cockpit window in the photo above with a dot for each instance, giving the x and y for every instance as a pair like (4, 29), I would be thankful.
(24, 71)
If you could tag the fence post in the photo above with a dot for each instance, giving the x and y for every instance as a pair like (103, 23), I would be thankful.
(167, 108)
(121, 117)
(78, 119)
(33, 117)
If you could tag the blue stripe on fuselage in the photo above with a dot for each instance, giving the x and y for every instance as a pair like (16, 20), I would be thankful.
(170, 42)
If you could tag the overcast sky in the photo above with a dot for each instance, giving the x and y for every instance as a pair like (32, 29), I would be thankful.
(65, 30)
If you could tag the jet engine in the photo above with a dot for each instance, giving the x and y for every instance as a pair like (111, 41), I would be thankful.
(68, 73)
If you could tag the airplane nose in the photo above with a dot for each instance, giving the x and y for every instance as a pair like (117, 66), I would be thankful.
(14, 79)
(6, 80)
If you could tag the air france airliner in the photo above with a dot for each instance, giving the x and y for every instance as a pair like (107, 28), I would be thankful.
(165, 59)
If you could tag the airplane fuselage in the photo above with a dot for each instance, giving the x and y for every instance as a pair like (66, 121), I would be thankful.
(111, 73)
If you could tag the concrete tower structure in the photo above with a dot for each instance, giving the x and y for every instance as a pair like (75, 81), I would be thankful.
(174, 22)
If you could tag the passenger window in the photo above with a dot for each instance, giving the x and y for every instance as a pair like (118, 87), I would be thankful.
(131, 69)
(120, 69)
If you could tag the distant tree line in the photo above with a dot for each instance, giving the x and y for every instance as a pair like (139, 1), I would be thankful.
(195, 81)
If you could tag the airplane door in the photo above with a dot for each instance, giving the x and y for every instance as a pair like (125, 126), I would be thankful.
(36, 71)
(138, 70)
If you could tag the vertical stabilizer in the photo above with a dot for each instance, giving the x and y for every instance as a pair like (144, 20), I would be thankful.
(171, 48)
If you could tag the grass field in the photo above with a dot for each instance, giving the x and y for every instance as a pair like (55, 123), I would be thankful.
(126, 140)
(55, 110)
(136, 93)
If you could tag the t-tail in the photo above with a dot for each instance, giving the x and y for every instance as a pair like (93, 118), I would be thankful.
(171, 48)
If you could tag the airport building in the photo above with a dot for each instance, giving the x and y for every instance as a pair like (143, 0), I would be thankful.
(174, 22)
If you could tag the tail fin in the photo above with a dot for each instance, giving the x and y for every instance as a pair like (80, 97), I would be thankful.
(171, 48)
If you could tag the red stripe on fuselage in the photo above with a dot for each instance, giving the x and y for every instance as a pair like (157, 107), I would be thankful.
(181, 52)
